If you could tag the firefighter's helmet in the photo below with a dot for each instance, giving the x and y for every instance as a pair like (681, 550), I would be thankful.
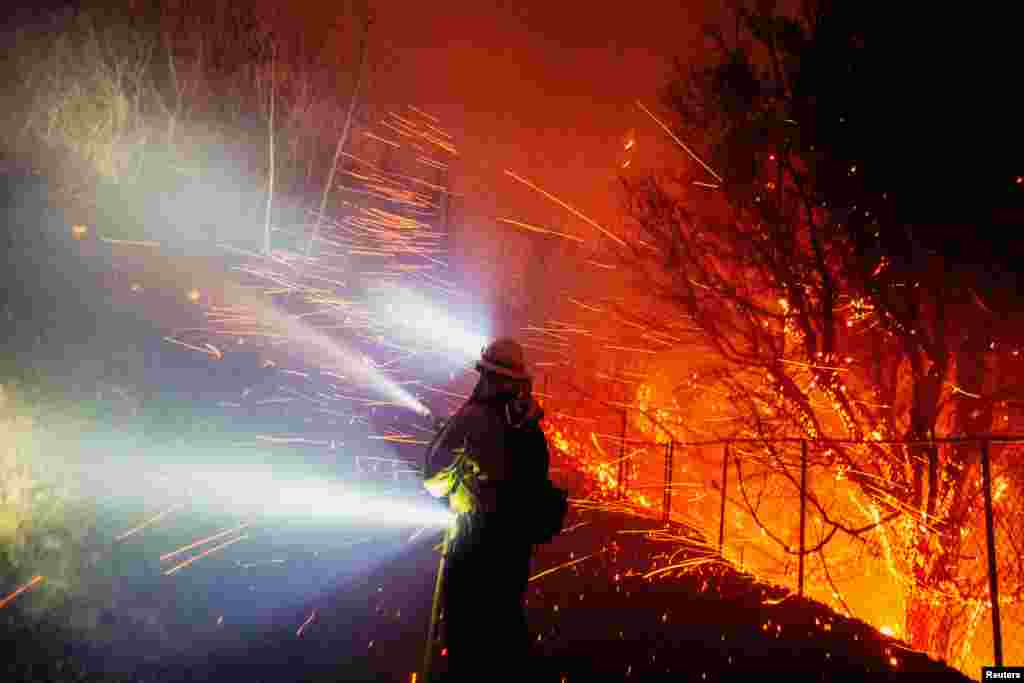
(504, 357)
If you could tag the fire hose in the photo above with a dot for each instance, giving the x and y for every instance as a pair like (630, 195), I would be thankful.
(435, 608)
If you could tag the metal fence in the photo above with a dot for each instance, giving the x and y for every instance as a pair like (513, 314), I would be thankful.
(649, 472)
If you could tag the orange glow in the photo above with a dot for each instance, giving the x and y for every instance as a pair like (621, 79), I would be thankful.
(565, 565)
(595, 459)
(35, 580)
(571, 209)
(535, 228)
(79, 231)
(679, 142)
(202, 541)
(152, 520)
(307, 622)
(206, 348)
(203, 554)
(1001, 485)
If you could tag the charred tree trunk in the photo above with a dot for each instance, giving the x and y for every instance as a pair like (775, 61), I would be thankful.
(930, 623)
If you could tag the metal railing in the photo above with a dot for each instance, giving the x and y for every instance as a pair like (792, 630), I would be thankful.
(673, 448)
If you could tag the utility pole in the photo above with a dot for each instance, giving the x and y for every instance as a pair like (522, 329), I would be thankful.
(666, 505)
(622, 457)
(990, 537)
(725, 486)
(803, 513)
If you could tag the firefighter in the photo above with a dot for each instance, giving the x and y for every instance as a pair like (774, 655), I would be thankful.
(490, 460)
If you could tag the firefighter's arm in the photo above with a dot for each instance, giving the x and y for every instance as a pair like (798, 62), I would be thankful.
(440, 459)
(440, 452)
(439, 485)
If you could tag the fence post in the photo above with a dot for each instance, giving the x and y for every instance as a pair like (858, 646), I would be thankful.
(622, 458)
(803, 513)
(990, 537)
(725, 486)
(666, 505)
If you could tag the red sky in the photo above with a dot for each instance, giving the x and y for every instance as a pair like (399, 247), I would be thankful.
(546, 88)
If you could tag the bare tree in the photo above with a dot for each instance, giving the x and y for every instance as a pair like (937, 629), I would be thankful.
(822, 308)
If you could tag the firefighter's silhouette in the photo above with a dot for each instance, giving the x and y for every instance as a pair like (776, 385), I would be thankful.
(491, 460)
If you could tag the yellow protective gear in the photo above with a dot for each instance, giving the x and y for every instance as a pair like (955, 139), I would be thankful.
(459, 481)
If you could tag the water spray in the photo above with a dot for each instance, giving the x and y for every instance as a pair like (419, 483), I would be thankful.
(255, 491)
(415, 315)
(333, 353)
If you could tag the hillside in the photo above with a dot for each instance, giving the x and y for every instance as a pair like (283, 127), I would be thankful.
(596, 619)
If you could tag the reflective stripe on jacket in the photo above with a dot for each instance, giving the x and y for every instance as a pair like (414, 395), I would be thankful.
(488, 446)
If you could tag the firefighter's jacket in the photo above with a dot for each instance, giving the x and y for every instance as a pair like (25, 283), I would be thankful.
(490, 451)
